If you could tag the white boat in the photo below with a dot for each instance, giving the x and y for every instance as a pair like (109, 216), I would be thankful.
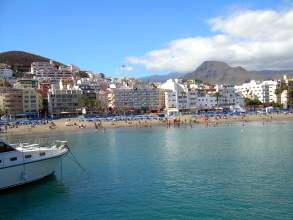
(25, 163)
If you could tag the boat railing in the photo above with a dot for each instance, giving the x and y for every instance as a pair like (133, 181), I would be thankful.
(60, 144)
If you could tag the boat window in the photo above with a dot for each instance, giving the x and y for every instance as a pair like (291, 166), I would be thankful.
(0, 161)
(42, 154)
(13, 158)
(28, 156)
(5, 148)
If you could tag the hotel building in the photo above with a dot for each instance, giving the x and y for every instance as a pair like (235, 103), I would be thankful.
(11, 101)
(146, 99)
(64, 100)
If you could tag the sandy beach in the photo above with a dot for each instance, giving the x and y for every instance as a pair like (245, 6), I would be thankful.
(75, 125)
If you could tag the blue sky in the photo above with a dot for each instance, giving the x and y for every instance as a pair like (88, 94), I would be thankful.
(99, 35)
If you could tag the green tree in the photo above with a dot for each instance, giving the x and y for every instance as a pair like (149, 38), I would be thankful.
(252, 103)
(280, 88)
(82, 74)
(276, 105)
(217, 95)
(91, 105)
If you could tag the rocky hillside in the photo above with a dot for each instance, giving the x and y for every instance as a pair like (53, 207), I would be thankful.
(161, 78)
(21, 61)
(220, 72)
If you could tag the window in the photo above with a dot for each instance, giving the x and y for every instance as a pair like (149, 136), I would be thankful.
(28, 156)
(13, 158)
(5, 148)
(42, 154)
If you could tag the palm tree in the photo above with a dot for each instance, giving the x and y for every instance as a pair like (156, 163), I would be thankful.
(217, 95)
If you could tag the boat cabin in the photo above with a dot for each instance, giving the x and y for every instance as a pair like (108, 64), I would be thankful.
(5, 147)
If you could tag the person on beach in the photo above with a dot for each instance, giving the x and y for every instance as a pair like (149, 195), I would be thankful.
(190, 123)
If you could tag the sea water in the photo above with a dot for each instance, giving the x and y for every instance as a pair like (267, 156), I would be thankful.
(229, 171)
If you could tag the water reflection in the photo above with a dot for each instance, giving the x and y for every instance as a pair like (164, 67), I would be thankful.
(30, 196)
(227, 172)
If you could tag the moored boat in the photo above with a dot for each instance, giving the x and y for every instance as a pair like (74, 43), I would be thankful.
(25, 163)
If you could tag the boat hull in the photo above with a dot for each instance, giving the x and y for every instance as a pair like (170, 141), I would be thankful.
(25, 173)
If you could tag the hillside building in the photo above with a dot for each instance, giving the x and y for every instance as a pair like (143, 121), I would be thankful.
(26, 83)
(48, 71)
(5, 71)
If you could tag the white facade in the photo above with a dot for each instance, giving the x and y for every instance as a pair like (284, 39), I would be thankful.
(284, 99)
(47, 70)
(271, 86)
(228, 96)
(178, 97)
(206, 102)
(263, 91)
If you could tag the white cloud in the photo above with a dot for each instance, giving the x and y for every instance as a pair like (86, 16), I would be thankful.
(259, 39)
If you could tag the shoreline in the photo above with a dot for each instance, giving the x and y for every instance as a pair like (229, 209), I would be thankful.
(62, 124)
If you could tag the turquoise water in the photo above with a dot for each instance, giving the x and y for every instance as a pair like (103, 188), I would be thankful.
(225, 172)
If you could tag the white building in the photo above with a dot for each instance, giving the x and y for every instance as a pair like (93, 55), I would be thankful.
(49, 71)
(286, 96)
(263, 91)
(271, 86)
(228, 96)
(183, 98)
(284, 99)
(175, 96)
(208, 101)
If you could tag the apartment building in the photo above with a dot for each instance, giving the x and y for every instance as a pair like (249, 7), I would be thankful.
(228, 96)
(263, 91)
(205, 102)
(64, 100)
(5, 71)
(26, 83)
(49, 71)
(147, 99)
(32, 101)
(178, 97)
(290, 93)
(11, 101)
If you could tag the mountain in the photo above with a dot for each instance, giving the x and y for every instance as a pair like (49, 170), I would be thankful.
(21, 61)
(161, 78)
(274, 73)
(220, 72)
